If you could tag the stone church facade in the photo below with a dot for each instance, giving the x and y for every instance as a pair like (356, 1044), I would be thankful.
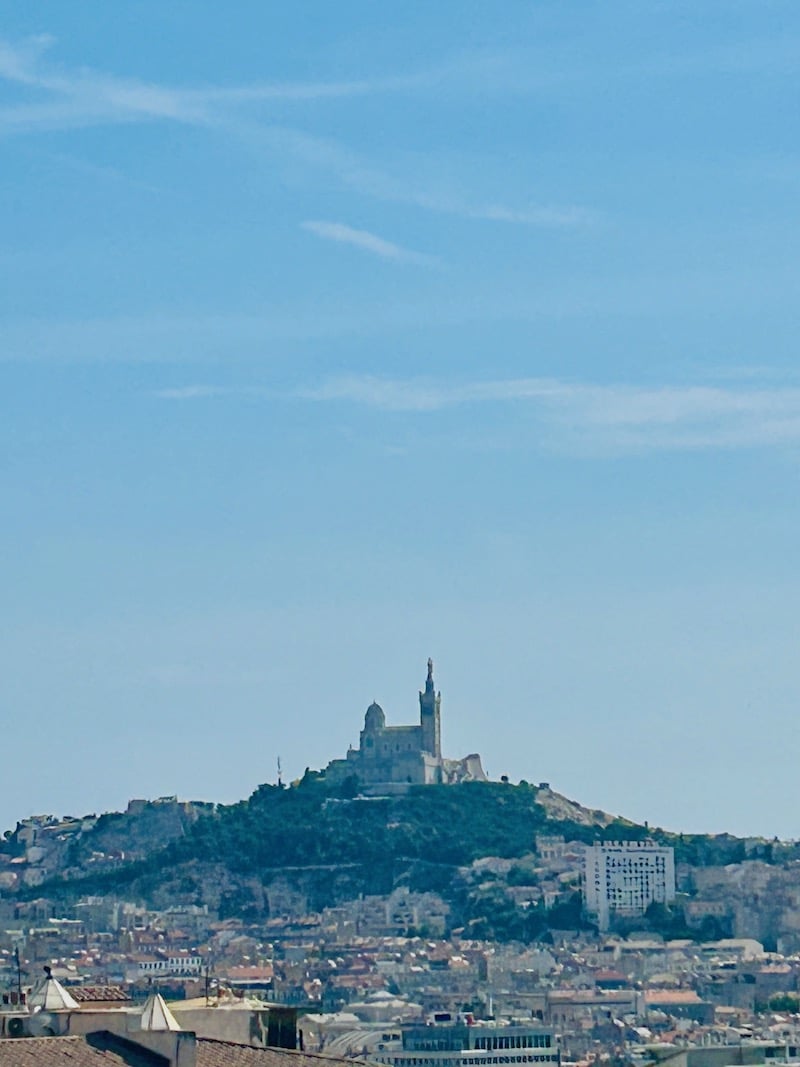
(392, 758)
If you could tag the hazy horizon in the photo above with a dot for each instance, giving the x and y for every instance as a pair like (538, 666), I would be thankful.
(335, 338)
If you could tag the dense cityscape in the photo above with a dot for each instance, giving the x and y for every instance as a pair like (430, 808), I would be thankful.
(577, 950)
(335, 337)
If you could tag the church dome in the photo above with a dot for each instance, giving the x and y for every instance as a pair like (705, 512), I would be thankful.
(374, 719)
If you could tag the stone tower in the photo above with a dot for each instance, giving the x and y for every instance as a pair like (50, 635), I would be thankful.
(429, 716)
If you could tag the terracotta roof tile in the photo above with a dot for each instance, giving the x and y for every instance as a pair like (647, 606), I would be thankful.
(213, 1053)
(671, 996)
(93, 1050)
(98, 993)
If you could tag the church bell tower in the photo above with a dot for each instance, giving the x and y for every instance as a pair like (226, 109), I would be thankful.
(429, 716)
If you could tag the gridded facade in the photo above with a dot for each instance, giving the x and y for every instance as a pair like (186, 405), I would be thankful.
(470, 1045)
(624, 877)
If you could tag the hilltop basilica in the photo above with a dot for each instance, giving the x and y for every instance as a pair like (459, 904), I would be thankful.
(391, 758)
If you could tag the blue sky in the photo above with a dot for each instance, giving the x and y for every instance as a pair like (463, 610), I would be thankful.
(334, 336)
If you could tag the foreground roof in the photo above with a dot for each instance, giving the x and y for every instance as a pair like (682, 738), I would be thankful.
(213, 1053)
(92, 1050)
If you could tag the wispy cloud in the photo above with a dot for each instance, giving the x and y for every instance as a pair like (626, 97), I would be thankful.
(354, 172)
(89, 96)
(419, 394)
(364, 240)
(190, 392)
(205, 392)
(85, 97)
(618, 416)
(544, 215)
(580, 417)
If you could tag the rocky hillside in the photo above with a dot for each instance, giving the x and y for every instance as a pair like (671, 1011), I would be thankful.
(321, 845)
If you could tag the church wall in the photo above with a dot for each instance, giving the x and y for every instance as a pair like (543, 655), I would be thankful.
(397, 741)
(339, 769)
(399, 756)
(397, 767)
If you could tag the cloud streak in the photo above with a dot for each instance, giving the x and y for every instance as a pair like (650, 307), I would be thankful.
(84, 97)
(89, 96)
(207, 391)
(22, 64)
(364, 240)
(354, 172)
(575, 417)
(196, 392)
(618, 416)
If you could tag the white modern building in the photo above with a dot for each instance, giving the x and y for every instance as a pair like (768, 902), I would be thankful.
(183, 966)
(624, 877)
(466, 1042)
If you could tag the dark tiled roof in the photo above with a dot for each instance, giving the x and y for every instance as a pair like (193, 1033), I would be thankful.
(93, 1050)
(213, 1053)
(97, 993)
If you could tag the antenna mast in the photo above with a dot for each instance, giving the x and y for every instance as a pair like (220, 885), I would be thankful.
(19, 973)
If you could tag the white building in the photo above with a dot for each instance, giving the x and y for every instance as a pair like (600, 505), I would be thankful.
(183, 965)
(624, 877)
(465, 1042)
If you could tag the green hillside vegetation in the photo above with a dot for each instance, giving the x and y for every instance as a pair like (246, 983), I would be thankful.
(334, 845)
